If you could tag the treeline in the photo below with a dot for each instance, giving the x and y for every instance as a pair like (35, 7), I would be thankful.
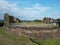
(38, 21)
(25, 21)
(31, 20)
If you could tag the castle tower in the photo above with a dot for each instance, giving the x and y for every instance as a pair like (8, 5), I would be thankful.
(6, 21)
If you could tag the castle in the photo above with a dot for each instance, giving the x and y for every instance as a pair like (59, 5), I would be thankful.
(10, 19)
(36, 32)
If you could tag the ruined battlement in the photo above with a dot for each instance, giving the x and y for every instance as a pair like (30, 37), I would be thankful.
(8, 20)
(36, 32)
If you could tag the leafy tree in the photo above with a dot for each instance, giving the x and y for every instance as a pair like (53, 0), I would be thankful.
(1, 23)
(58, 21)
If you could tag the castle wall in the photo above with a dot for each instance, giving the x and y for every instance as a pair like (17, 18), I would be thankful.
(36, 32)
(39, 34)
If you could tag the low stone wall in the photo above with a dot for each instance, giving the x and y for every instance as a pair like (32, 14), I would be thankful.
(37, 32)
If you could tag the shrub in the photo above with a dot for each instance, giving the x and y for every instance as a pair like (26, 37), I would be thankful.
(1, 24)
(58, 21)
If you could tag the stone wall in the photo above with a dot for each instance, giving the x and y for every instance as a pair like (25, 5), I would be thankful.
(37, 33)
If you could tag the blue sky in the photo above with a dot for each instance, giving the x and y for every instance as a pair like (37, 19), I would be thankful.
(30, 9)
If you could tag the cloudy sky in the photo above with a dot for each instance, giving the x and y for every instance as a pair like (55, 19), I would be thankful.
(30, 9)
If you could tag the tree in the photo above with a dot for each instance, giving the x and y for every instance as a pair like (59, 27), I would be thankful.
(1, 23)
(58, 21)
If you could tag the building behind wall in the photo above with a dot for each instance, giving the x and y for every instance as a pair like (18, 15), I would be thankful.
(47, 20)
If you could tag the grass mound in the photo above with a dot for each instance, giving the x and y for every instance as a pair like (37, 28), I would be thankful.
(12, 39)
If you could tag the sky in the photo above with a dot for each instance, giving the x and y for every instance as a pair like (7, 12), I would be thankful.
(30, 9)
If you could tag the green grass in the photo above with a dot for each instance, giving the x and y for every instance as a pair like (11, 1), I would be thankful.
(12, 39)
(2, 31)
(49, 42)
(35, 24)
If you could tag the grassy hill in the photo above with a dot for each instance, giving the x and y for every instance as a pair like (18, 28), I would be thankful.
(13, 39)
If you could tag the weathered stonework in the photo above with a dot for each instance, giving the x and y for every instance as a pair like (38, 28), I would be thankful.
(8, 20)
(47, 20)
(36, 32)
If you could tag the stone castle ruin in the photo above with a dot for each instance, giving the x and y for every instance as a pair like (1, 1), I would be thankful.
(9, 19)
(36, 32)
(48, 20)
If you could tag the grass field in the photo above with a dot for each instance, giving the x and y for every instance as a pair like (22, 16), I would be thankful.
(34, 24)
(49, 42)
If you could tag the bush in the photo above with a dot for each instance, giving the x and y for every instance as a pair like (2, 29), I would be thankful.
(58, 21)
(1, 24)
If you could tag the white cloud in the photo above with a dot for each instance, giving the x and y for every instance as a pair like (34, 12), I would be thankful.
(30, 12)
(40, 8)
(9, 8)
